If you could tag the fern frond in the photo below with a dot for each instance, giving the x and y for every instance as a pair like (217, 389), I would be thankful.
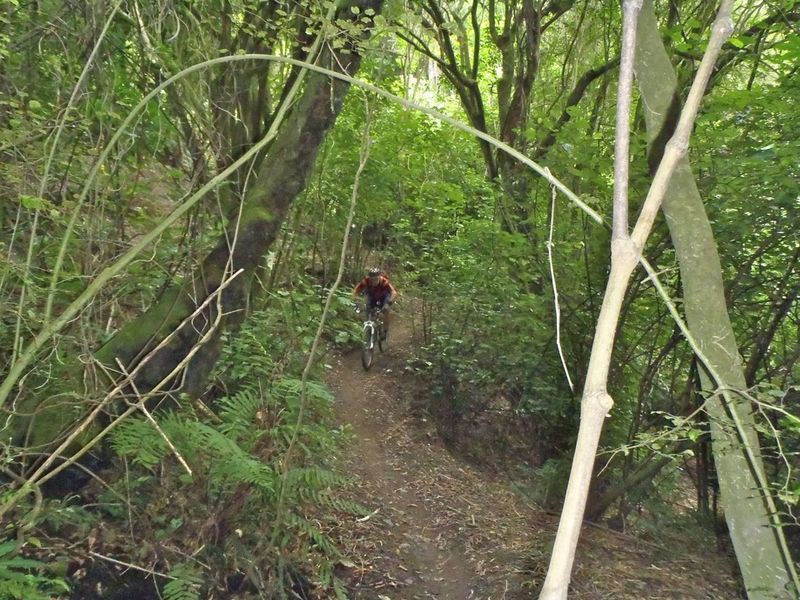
(238, 413)
(185, 585)
(289, 390)
(308, 530)
(137, 440)
(233, 463)
(25, 578)
(307, 480)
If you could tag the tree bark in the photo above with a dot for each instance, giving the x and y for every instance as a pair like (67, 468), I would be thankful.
(282, 175)
(755, 541)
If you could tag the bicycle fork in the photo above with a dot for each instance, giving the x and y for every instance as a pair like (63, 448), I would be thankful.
(369, 334)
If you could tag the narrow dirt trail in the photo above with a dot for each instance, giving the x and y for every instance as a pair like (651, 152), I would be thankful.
(438, 528)
(416, 556)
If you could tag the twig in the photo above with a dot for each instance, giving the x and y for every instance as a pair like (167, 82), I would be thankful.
(41, 475)
(156, 389)
(141, 406)
(28, 520)
(365, 147)
(368, 517)
(17, 344)
(556, 305)
(761, 406)
(124, 382)
(130, 565)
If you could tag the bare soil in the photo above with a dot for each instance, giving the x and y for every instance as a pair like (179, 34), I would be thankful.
(439, 528)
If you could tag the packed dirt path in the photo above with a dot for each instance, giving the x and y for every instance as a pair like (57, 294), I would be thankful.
(418, 554)
(438, 528)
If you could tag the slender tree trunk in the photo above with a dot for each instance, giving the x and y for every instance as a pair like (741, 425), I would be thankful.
(643, 473)
(756, 542)
(703, 479)
(625, 254)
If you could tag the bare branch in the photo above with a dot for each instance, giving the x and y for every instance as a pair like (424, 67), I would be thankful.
(619, 227)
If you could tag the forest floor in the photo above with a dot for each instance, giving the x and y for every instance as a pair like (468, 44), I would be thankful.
(438, 527)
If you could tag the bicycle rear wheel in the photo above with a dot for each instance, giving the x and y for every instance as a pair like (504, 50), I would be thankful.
(368, 350)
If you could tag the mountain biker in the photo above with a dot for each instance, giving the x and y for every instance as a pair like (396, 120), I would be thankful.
(378, 292)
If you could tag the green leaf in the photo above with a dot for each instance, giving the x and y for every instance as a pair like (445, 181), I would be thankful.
(7, 547)
(33, 202)
(737, 42)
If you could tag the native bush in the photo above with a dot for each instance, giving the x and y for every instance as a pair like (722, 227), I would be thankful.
(490, 368)
(243, 503)
(23, 578)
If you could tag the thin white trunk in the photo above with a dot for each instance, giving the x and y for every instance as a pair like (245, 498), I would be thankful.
(625, 253)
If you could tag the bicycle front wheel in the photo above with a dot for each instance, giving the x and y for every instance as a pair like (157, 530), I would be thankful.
(368, 350)
(381, 333)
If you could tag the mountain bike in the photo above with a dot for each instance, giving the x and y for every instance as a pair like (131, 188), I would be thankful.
(374, 335)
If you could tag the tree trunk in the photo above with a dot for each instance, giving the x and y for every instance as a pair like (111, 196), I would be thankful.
(642, 474)
(282, 175)
(755, 540)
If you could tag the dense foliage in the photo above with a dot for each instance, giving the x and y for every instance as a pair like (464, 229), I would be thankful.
(218, 490)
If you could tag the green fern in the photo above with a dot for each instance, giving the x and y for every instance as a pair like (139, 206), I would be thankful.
(137, 440)
(226, 455)
(238, 413)
(303, 528)
(185, 585)
(24, 578)
(328, 579)
(290, 391)
(232, 463)
(312, 484)
(248, 356)
(202, 445)
(317, 487)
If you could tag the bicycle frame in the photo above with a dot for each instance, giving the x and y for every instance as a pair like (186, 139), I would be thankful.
(372, 328)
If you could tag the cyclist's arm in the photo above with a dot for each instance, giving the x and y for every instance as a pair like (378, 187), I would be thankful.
(359, 289)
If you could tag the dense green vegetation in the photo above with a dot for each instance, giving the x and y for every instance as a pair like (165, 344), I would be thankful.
(196, 440)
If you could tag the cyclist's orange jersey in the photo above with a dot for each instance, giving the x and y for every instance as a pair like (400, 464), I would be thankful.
(380, 290)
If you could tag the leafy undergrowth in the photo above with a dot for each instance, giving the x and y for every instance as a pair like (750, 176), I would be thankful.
(440, 528)
(218, 497)
(418, 523)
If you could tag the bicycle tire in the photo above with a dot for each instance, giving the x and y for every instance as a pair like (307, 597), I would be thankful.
(381, 340)
(368, 350)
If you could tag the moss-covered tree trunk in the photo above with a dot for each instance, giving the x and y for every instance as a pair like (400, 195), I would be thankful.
(280, 177)
(755, 540)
